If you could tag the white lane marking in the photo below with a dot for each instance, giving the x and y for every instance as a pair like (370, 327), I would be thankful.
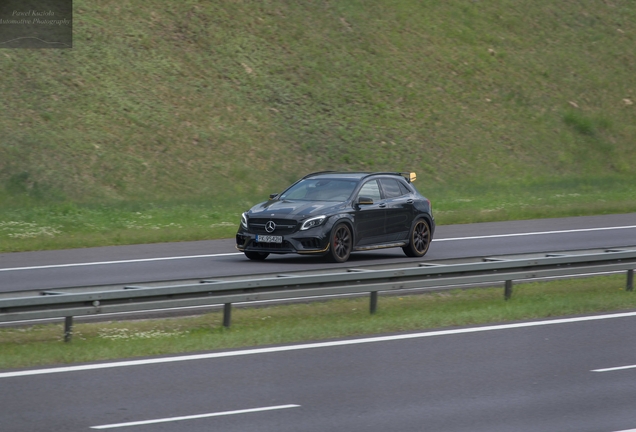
(120, 261)
(194, 417)
(240, 253)
(311, 345)
(537, 233)
(628, 430)
(612, 369)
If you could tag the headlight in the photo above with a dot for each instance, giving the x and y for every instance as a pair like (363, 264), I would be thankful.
(313, 222)
(244, 220)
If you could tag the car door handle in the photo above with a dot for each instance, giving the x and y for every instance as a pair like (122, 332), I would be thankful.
(409, 201)
(382, 205)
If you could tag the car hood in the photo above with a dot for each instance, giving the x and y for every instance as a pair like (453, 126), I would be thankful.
(294, 209)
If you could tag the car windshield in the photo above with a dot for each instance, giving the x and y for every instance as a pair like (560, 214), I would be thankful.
(320, 190)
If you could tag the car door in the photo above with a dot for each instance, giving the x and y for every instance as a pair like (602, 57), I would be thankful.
(399, 209)
(369, 218)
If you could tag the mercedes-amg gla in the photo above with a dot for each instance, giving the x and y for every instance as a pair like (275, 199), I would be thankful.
(336, 213)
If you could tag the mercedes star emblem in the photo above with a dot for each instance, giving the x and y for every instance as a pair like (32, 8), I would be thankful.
(270, 226)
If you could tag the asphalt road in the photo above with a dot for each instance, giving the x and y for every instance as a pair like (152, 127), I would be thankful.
(541, 376)
(537, 376)
(209, 259)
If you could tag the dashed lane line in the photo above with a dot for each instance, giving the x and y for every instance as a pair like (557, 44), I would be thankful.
(194, 417)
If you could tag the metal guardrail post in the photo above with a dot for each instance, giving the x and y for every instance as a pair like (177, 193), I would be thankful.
(508, 290)
(227, 315)
(68, 328)
(373, 306)
(630, 280)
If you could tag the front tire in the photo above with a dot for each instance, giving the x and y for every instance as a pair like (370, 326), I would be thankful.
(341, 243)
(256, 256)
(419, 240)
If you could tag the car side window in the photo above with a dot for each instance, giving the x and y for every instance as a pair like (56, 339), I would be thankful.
(371, 189)
(405, 190)
(391, 188)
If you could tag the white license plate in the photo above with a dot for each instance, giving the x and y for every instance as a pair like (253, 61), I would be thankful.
(269, 239)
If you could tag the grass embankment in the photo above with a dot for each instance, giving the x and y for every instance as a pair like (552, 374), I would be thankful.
(43, 344)
(166, 120)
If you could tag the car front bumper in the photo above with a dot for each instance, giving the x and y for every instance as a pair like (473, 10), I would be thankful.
(298, 242)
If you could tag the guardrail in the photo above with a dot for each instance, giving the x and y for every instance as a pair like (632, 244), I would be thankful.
(432, 276)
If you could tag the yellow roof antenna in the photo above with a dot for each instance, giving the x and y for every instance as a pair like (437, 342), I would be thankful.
(412, 177)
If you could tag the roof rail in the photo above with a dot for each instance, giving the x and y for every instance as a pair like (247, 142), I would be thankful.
(408, 176)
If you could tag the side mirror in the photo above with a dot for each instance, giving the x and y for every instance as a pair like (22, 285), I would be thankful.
(272, 196)
(365, 200)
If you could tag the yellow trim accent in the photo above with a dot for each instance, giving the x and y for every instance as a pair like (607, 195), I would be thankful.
(313, 252)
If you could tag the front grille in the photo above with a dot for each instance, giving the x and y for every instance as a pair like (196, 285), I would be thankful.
(283, 226)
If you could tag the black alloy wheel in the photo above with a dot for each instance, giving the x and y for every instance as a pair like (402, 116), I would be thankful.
(341, 243)
(419, 240)
(256, 256)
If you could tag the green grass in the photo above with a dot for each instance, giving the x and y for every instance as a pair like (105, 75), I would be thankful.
(223, 102)
(540, 197)
(37, 225)
(43, 344)
(72, 225)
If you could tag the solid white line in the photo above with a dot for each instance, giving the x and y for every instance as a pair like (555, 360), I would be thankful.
(194, 417)
(537, 233)
(612, 369)
(240, 253)
(311, 345)
(120, 261)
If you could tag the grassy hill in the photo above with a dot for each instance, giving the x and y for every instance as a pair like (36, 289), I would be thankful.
(501, 107)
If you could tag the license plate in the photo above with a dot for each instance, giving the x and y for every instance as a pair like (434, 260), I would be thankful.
(269, 239)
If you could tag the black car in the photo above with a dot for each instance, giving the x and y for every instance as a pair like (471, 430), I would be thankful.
(336, 213)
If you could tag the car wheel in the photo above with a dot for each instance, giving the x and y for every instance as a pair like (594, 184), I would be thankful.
(256, 256)
(419, 239)
(341, 243)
